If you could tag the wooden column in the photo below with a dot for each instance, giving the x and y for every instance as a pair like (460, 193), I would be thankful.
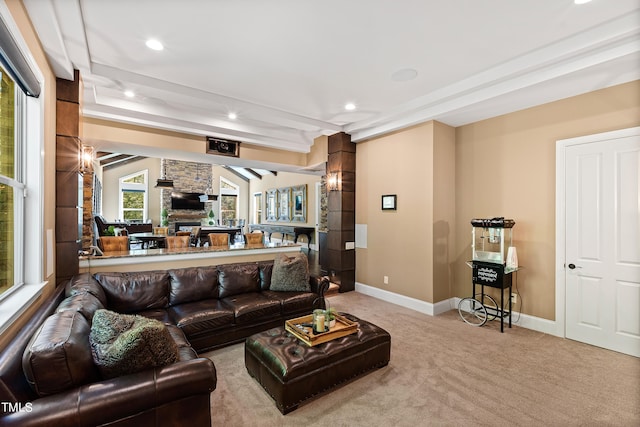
(68, 177)
(341, 218)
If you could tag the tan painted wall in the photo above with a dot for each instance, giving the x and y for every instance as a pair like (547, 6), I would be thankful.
(286, 179)
(171, 144)
(505, 166)
(49, 199)
(444, 208)
(319, 151)
(399, 243)
(110, 185)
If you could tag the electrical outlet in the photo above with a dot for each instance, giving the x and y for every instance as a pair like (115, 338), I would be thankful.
(386, 280)
(514, 298)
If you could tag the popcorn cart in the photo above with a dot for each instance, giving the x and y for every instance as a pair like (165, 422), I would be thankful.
(493, 262)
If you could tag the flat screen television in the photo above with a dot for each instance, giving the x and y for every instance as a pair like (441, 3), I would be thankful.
(190, 201)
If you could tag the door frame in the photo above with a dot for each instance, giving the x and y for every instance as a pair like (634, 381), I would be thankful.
(561, 216)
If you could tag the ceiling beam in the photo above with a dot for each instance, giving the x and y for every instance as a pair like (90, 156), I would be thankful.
(254, 173)
(236, 173)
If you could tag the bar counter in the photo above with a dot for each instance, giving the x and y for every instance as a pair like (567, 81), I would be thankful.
(164, 259)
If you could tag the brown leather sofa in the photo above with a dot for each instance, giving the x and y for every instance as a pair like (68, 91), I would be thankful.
(203, 308)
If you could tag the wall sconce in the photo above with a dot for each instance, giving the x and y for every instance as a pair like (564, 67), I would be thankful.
(334, 183)
(87, 158)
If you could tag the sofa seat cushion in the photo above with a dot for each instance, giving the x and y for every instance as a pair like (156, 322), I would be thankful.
(199, 317)
(132, 292)
(58, 356)
(251, 307)
(159, 314)
(293, 302)
(123, 344)
(290, 273)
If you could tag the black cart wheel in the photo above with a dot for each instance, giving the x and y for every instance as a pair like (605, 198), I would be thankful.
(490, 305)
(472, 311)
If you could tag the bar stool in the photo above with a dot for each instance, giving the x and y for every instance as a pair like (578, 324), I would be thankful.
(219, 240)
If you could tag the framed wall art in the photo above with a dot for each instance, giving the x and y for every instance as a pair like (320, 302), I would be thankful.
(389, 202)
(299, 203)
(271, 197)
(284, 198)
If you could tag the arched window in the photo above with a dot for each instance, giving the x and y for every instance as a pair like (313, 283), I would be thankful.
(134, 197)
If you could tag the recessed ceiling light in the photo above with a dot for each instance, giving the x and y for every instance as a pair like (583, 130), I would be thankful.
(154, 44)
(232, 116)
(129, 93)
(404, 75)
(581, 1)
(350, 106)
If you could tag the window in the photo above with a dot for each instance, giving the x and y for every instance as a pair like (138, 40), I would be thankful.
(134, 197)
(257, 208)
(228, 200)
(11, 184)
(26, 249)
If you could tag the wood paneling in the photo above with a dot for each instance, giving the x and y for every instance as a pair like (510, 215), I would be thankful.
(341, 212)
(68, 178)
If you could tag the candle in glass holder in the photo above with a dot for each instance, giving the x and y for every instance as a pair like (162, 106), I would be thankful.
(320, 323)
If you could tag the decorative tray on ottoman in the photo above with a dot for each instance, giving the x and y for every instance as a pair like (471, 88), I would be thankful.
(343, 327)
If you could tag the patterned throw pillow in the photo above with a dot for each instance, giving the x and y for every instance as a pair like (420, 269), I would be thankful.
(122, 344)
(290, 273)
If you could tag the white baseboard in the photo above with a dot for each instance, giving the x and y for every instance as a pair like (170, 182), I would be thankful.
(526, 321)
(404, 301)
(431, 309)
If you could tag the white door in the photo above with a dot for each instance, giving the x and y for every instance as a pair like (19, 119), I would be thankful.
(602, 260)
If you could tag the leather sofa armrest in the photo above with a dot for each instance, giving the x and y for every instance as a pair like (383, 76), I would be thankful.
(319, 285)
(118, 398)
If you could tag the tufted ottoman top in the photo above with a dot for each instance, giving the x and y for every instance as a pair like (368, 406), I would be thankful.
(287, 358)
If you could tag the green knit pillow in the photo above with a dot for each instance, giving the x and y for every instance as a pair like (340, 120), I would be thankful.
(123, 344)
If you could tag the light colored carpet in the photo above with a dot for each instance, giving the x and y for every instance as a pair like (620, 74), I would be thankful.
(444, 372)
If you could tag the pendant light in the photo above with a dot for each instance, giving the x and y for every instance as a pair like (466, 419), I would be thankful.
(164, 182)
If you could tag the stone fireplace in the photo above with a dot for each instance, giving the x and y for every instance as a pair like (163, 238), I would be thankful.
(188, 177)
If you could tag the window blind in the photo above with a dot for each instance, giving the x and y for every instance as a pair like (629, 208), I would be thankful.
(15, 63)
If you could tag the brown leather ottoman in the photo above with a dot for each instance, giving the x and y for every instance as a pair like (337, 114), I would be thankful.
(292, 372)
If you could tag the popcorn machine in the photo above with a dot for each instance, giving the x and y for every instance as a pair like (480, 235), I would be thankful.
(493, 261)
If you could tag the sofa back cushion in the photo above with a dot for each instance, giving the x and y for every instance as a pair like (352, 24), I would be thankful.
(85, 303)
(85, 282)
(58, 356)
(193, 284)
(266, 268)
(135, 291)
(238, 278)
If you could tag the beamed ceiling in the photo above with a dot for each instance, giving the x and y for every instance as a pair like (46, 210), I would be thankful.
(287, 68)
